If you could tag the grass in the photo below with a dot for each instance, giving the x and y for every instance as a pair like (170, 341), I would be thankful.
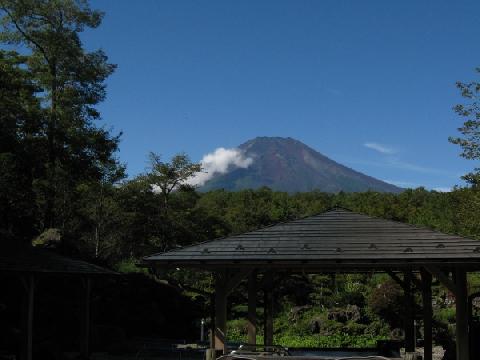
(316, 341)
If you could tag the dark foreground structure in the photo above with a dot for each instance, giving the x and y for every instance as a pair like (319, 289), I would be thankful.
(337, 241)
(31, 266)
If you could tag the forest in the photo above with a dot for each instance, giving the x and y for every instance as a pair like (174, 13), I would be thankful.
(62, 186)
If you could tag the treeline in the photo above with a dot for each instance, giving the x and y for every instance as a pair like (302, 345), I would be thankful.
(143, 226)
(117, 222)
(62, 185)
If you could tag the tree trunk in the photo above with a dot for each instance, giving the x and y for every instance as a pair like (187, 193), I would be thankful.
(97, 241)
(49, 221)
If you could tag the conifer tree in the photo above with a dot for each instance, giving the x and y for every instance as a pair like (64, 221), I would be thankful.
(71, 83)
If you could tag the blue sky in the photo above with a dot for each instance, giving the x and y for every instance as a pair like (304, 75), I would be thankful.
(371, 84)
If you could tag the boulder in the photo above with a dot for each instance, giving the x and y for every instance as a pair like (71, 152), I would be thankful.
(297, 311)
(351, 312)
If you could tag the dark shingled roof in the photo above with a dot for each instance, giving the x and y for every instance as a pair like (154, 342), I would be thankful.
(335, 237)
(23, 259)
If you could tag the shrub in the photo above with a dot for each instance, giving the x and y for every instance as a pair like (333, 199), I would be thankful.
(445, 315)
(386, 301)
(237, 329)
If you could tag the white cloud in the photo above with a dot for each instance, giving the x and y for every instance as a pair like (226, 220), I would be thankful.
(395, 163)
(404, 184)
(380, 148)
(442, 189)
(412, 185)
(220, 161)
(416, 168)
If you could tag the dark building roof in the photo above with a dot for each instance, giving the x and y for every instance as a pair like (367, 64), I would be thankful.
(24, 259)
(335, 237)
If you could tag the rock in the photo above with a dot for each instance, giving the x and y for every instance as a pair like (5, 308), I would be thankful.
(411, 356)
(351, 312)
(338, 315)
(398, 334)
(296, 311)
(315, 326)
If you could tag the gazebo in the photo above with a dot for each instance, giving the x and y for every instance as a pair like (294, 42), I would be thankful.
(30, 265)
(338, 240)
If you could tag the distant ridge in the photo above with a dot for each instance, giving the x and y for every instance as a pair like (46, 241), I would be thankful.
(286, 164)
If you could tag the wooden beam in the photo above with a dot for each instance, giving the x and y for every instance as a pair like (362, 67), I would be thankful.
(221, 311)
(85, 319)
(427, 313)
(444, 279)
(212, 321)
(396, 278)
(27, 317)
(174, 283)
(234, 279)
(401, 282)
(252, 308)
(409, 318)
(461, 315)
(268, 310)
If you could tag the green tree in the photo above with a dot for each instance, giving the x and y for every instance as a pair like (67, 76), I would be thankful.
(21, 128)
(71, 83)
(99, 220)
(387, 301)
(168, 176)
(470, 139)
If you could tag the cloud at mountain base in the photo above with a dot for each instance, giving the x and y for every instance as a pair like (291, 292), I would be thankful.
(220, 161)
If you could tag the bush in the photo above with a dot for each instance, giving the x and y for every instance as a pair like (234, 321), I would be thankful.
(377, 328)
(386, 301)
(237, 330)
(355, 329)
(445, 315)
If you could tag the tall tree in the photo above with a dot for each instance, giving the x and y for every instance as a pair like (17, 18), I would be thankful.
(21, 144)
(470, 139)
(72, 83)
(101, 221)
(168, 176)
(163, 178)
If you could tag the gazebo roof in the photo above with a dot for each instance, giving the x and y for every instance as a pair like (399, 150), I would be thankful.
(23, 259)
(331, 239)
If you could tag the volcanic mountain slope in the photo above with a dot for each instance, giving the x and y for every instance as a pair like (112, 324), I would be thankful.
(286, 164)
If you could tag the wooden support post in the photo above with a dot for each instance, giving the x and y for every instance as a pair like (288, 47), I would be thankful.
(212, 321)
(442, 277)
(409, 313)
(27, 317)
(461, 303)
(221, 312)
(427, 313)
(268, 310)
(85, 319)
(252, 308)
(225, 282)
(210, 354)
